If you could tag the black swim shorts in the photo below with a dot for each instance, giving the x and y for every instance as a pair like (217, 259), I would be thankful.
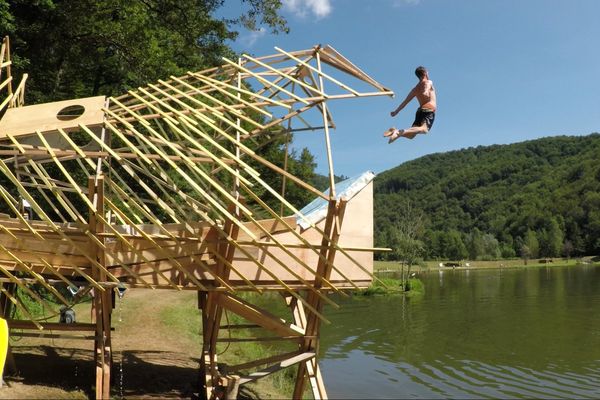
(424, 115)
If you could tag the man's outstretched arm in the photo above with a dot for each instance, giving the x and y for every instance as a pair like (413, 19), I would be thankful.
(407, 100)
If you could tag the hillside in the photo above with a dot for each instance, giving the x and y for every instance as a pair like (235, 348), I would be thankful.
(492, 201)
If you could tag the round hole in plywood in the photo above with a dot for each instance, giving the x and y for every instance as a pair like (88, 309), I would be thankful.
(70, 112)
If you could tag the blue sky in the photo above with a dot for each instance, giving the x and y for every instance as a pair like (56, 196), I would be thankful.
(505, 71)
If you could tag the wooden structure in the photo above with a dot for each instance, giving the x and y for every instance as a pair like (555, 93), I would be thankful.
(160, 188)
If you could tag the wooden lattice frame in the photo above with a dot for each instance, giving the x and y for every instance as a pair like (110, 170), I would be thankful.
(108, 208)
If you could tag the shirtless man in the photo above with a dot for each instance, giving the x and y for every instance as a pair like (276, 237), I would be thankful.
(425, 93)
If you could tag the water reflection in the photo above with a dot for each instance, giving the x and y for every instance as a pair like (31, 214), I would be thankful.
(473, 334)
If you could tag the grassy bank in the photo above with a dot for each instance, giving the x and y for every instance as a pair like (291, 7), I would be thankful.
(387, 286)
(392, 266)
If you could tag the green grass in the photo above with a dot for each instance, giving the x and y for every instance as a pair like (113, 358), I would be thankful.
(184, 317)
(416, 287)
(381, 266)
(387, 286)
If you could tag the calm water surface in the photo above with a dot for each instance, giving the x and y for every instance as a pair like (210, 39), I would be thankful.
(530, 333)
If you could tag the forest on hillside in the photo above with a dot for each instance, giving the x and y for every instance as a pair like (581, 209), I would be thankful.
(539, 198)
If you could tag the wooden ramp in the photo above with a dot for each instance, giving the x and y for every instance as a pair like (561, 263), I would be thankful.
(166, 187)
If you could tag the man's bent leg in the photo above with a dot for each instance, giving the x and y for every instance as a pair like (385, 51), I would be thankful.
(410, 133)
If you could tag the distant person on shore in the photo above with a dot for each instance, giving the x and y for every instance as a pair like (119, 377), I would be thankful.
(425, 94)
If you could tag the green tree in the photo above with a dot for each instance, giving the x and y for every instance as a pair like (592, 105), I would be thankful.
(406, 238)
(475, 246)
(525, 253)
(82, 48)
(88, 47)
(507, 251)
(505, 190)
(554, 239)
(567, 249)
(532, 243)
(491, 246)
(300, 165)
(455, 247)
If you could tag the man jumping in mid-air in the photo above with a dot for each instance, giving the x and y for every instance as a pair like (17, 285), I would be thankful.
(425, 93)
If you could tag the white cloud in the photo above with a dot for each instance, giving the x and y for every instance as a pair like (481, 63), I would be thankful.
(318, 8)
(253, 36)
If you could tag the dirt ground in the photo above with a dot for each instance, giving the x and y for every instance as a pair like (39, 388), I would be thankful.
(150, 358)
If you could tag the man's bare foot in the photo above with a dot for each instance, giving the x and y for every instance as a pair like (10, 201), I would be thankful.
(397, 133)
(389, 132)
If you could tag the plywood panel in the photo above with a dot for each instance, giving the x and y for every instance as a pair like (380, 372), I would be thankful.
(44, 117)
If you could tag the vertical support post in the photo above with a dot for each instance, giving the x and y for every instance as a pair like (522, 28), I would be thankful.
(102, 303)
(326, 127)
(283, 177)
(8, 67)
(288, 137)
(212, 313)
(312, 324)
(206, 373)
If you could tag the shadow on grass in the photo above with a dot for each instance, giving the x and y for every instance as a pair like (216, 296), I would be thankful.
(148, 374)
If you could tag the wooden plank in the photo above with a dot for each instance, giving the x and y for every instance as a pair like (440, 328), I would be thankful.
(66, 173)
(18, 98)
(191, 181)
(43, 117)
(264, 339)
(166, 253)
(335, 59)
(283, 364)
(6, 82)
(318, 91)
(327, 139)
(213, 183)
(266, 82)
(292, 229)
(51, 326)
(262, 361)
(316, 379)
(238, 161)
(235, 158)
(258, 315)
(234, 109)
(228, 94)
(307, 65)
(268, 100)
(40, 280)
(51, 336)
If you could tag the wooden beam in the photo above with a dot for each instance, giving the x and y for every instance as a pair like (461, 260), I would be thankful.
(258, 315)
(262, 361)
(283, 364)
(51, 326)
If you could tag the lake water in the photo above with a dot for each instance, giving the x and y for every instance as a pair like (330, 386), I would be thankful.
(512, 333)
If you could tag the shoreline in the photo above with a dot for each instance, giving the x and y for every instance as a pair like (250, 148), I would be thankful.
(395, 266)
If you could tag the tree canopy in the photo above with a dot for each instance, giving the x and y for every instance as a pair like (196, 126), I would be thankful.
(495, 201)
(89, 47)
(74, 49)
